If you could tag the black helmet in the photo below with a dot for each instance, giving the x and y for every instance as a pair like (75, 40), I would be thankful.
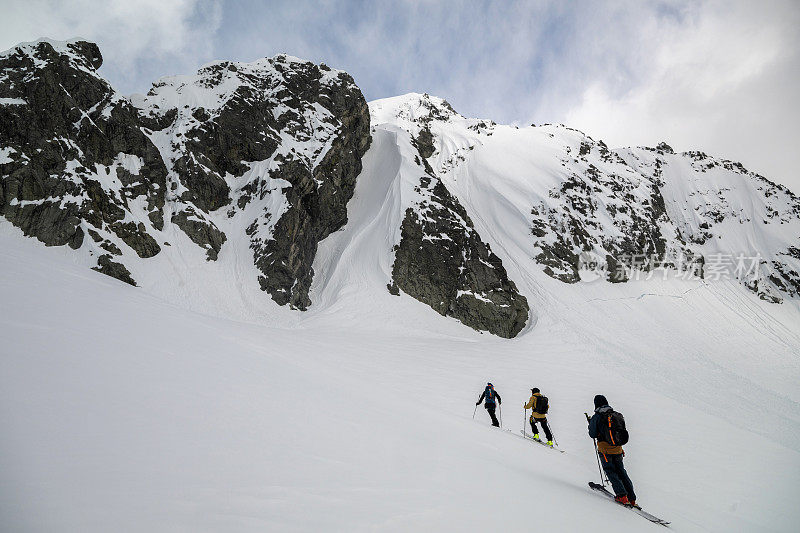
(600, 401)
(534, 390)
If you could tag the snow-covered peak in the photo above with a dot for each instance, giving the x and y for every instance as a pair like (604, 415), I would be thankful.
(216, 83)
(277, 141)
(83, 53)
(412, 107)
(581, 203)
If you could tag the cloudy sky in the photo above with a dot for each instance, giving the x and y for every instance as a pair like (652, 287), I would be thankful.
(719, 76)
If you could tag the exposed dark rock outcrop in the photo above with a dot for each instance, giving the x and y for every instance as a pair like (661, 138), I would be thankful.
(318, 194)
(442, 261)
(76, 153)
(605, 214)
(278, 142)
(301, 195)
(136, 236)
(201, 231)
(111, 268)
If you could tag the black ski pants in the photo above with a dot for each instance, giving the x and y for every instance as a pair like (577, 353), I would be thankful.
(616, 474)
(491, 408)
(545, 427)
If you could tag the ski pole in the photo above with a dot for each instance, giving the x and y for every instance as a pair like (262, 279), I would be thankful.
(524, 421)
(551, 433)
(597, 455)
(500, 405)
(474, 411)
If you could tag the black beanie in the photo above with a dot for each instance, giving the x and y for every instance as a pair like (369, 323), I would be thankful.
(534, 390)
(600, 401)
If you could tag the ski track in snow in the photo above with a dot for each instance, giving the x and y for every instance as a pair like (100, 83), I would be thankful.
(679, 296)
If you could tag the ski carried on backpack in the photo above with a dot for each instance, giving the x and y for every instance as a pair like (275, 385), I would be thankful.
(530, 438)
(635, 508)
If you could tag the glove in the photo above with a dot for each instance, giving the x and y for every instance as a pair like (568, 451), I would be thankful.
(478, 403)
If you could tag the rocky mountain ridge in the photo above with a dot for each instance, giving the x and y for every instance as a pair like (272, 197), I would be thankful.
(617, 213)
(253, 164)
(274, 146)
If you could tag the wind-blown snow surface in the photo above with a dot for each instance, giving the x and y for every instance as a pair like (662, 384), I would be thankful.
(122, 412)
(209, 408)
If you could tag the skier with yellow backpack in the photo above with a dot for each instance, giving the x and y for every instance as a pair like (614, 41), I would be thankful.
(539, 405)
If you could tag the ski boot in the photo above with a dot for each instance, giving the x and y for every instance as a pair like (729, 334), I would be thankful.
(622, 499)
(550, 443)
(536, 437)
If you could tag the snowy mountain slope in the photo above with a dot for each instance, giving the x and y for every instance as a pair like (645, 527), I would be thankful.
(221, 184)
(442, 261)
(280, 139)
(195, 402)
(666, 313)
(133, 414)
(262, 156)
(722, 210)
(76, 163)
(570, 202)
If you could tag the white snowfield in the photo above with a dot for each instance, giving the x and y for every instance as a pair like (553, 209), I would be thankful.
(195, 403)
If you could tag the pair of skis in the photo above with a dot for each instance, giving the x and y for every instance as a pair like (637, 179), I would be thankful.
(636, 509)
(530, 438)
(605, 492)
(601, 489)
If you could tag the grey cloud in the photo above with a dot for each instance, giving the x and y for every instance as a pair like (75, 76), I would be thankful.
(722, 79)
(139, 39)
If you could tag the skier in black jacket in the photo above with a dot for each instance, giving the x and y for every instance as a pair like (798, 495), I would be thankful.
(489, 394)
(610, 452)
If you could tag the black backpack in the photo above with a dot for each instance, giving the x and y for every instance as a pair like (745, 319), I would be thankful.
(542, 405)
(489, 395)
(612, 428)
